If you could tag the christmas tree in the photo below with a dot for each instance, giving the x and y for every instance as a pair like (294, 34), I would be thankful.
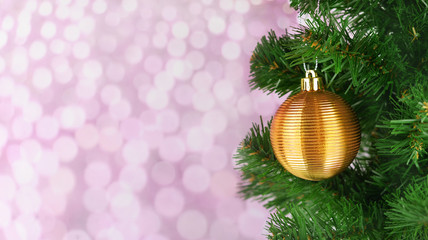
(374, 54)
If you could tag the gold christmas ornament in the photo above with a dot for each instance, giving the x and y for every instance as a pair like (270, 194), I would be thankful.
(315, 134)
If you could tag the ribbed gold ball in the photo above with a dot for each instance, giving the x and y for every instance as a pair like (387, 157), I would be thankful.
(315, 134)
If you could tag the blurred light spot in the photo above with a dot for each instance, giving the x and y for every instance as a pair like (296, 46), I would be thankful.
(223, 90)
(133, 177)
(87, 136)
(256, 2)
(110, 94)
(164, 81)
(197, 140)
(5, 215)
(226, 5)
(196, 179)
(48, 30)
(215, 158)
(63, 181)
(55, 202)
(21, 129)
(112, 19)
(242, 6)
(183, 94)
(223, 229)
(129, 5)
(45, 8)
(81, 50)
(169, 202)
(202, 81)
(37, 50)
(85, 90)
(107, 43)
(8, 23)
(130, 128)
(111, 233)
(3, 39)
(214, 122)
(21, 96)
(19, 62)
(196, 58)
(66, 148)
(42, 78)
(192, 224)
(47, 127)
(28, 200)
(23, 172)
(7, 189)
(195, 8)
(180, 30)
(176, 47)
(172, 149)
(86, 24)
(182, 70)
(230, 50)
(149, 222)
(95, 200)
(245, 105)
(153, 64)
(30, 150)
(236, 31)
(163, 173)
(115, 71)
(133, 54)
(97, 174)
(157, 99)
(120, 110)
(135, 152)
(159, 40)
(203, 101)
(71, 33)
(96, 222)
(92, 69)
(125, 206)
(7, 86)
(76, 235)
(4, 136)
(168, 120)
(72, 117)
(57, 46)
(99, 6)
(48, 164)
(216, 25)
(2, 64)
(169, 13)
(251, 222)
(224, 184)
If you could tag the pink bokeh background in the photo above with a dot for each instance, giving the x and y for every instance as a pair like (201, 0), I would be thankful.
(120, 119)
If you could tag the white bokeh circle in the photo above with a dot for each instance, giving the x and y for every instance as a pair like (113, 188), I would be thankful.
(192, 224)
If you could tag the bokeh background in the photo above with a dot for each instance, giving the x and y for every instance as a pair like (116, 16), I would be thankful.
(119, 119)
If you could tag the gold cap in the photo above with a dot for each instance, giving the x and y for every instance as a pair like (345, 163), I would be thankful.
(312, 82)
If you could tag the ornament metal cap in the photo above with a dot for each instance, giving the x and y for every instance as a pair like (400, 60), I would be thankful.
(311, 82)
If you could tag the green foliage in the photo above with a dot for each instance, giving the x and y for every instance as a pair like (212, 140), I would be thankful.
(340, 219)
(407, 217)
(269, 67)
(375, 55)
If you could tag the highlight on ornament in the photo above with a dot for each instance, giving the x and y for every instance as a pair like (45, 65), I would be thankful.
(315, 134)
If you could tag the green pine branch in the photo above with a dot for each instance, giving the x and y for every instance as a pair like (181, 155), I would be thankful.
(339, 219)
(374, 53)
(407, 217)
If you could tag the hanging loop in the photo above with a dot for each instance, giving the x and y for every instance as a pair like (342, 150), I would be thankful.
(306, 68)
